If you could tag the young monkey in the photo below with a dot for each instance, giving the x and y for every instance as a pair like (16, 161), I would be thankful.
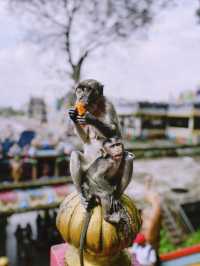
(106, 179)
(103, 183)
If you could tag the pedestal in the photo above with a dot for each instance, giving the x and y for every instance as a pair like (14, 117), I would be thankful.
(105, 243)
(58, 253)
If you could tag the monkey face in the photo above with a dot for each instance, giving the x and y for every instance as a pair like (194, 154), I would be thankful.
(86, 95)
(115, 148)
(89, 92)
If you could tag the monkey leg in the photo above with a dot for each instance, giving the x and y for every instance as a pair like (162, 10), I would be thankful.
(76, 169)
(115, 214)
(111, 214)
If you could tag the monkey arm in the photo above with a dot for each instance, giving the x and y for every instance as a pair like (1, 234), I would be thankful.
(76, 170)
(126, 176)
(104, 129)
(80, 131)
(108, 130)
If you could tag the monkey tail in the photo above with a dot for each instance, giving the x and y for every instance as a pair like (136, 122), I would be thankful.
(83, 235)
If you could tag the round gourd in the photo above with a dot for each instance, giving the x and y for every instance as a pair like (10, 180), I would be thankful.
(103, 238)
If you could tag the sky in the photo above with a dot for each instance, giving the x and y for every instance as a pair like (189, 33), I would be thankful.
(157, 67)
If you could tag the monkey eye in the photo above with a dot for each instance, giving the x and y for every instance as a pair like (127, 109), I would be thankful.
(112, 146)
(118, 144)
(88, 90)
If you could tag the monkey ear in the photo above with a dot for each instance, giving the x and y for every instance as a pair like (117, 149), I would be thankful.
(103, 153)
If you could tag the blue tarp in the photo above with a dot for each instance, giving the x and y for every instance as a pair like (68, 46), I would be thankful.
(26, 137)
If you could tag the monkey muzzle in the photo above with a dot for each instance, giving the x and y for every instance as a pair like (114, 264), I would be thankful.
(117, 156)
(89, 99)
(85, 100)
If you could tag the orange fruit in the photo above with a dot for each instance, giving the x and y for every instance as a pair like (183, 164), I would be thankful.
(80, 107)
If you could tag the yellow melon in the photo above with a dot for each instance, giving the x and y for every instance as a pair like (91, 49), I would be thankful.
(103, 238)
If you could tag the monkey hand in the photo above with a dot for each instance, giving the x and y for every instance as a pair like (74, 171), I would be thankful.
(73, 114)
(88, 118)
(88, 202)
(84, 202)
(115, 204)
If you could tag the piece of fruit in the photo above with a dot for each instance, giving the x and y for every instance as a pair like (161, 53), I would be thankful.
(80, 107)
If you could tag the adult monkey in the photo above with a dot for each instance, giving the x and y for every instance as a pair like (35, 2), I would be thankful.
(100, 121)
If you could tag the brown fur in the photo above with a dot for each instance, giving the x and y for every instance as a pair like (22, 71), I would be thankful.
(100, 108)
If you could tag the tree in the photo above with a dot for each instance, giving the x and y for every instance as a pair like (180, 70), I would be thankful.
(79, 27)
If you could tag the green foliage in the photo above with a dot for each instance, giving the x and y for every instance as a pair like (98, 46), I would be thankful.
(165, 243)
(167, 246)
(193, 239)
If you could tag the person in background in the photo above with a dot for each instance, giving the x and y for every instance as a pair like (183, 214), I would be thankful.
(6, 145)
(16, 162)
(146, 244)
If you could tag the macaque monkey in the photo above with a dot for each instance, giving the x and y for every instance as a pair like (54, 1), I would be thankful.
(98, 119)
(106, 178)
(103, 183)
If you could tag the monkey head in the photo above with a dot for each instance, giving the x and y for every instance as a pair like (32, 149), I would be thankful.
(114, 148)
(90, 93)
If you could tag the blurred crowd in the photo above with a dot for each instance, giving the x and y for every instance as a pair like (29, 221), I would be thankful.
(28, 142)
(31, 154)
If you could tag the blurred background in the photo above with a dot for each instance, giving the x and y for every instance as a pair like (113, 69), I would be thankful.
(146, 53)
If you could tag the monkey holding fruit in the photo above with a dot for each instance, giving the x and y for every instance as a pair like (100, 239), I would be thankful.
(94, 118)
